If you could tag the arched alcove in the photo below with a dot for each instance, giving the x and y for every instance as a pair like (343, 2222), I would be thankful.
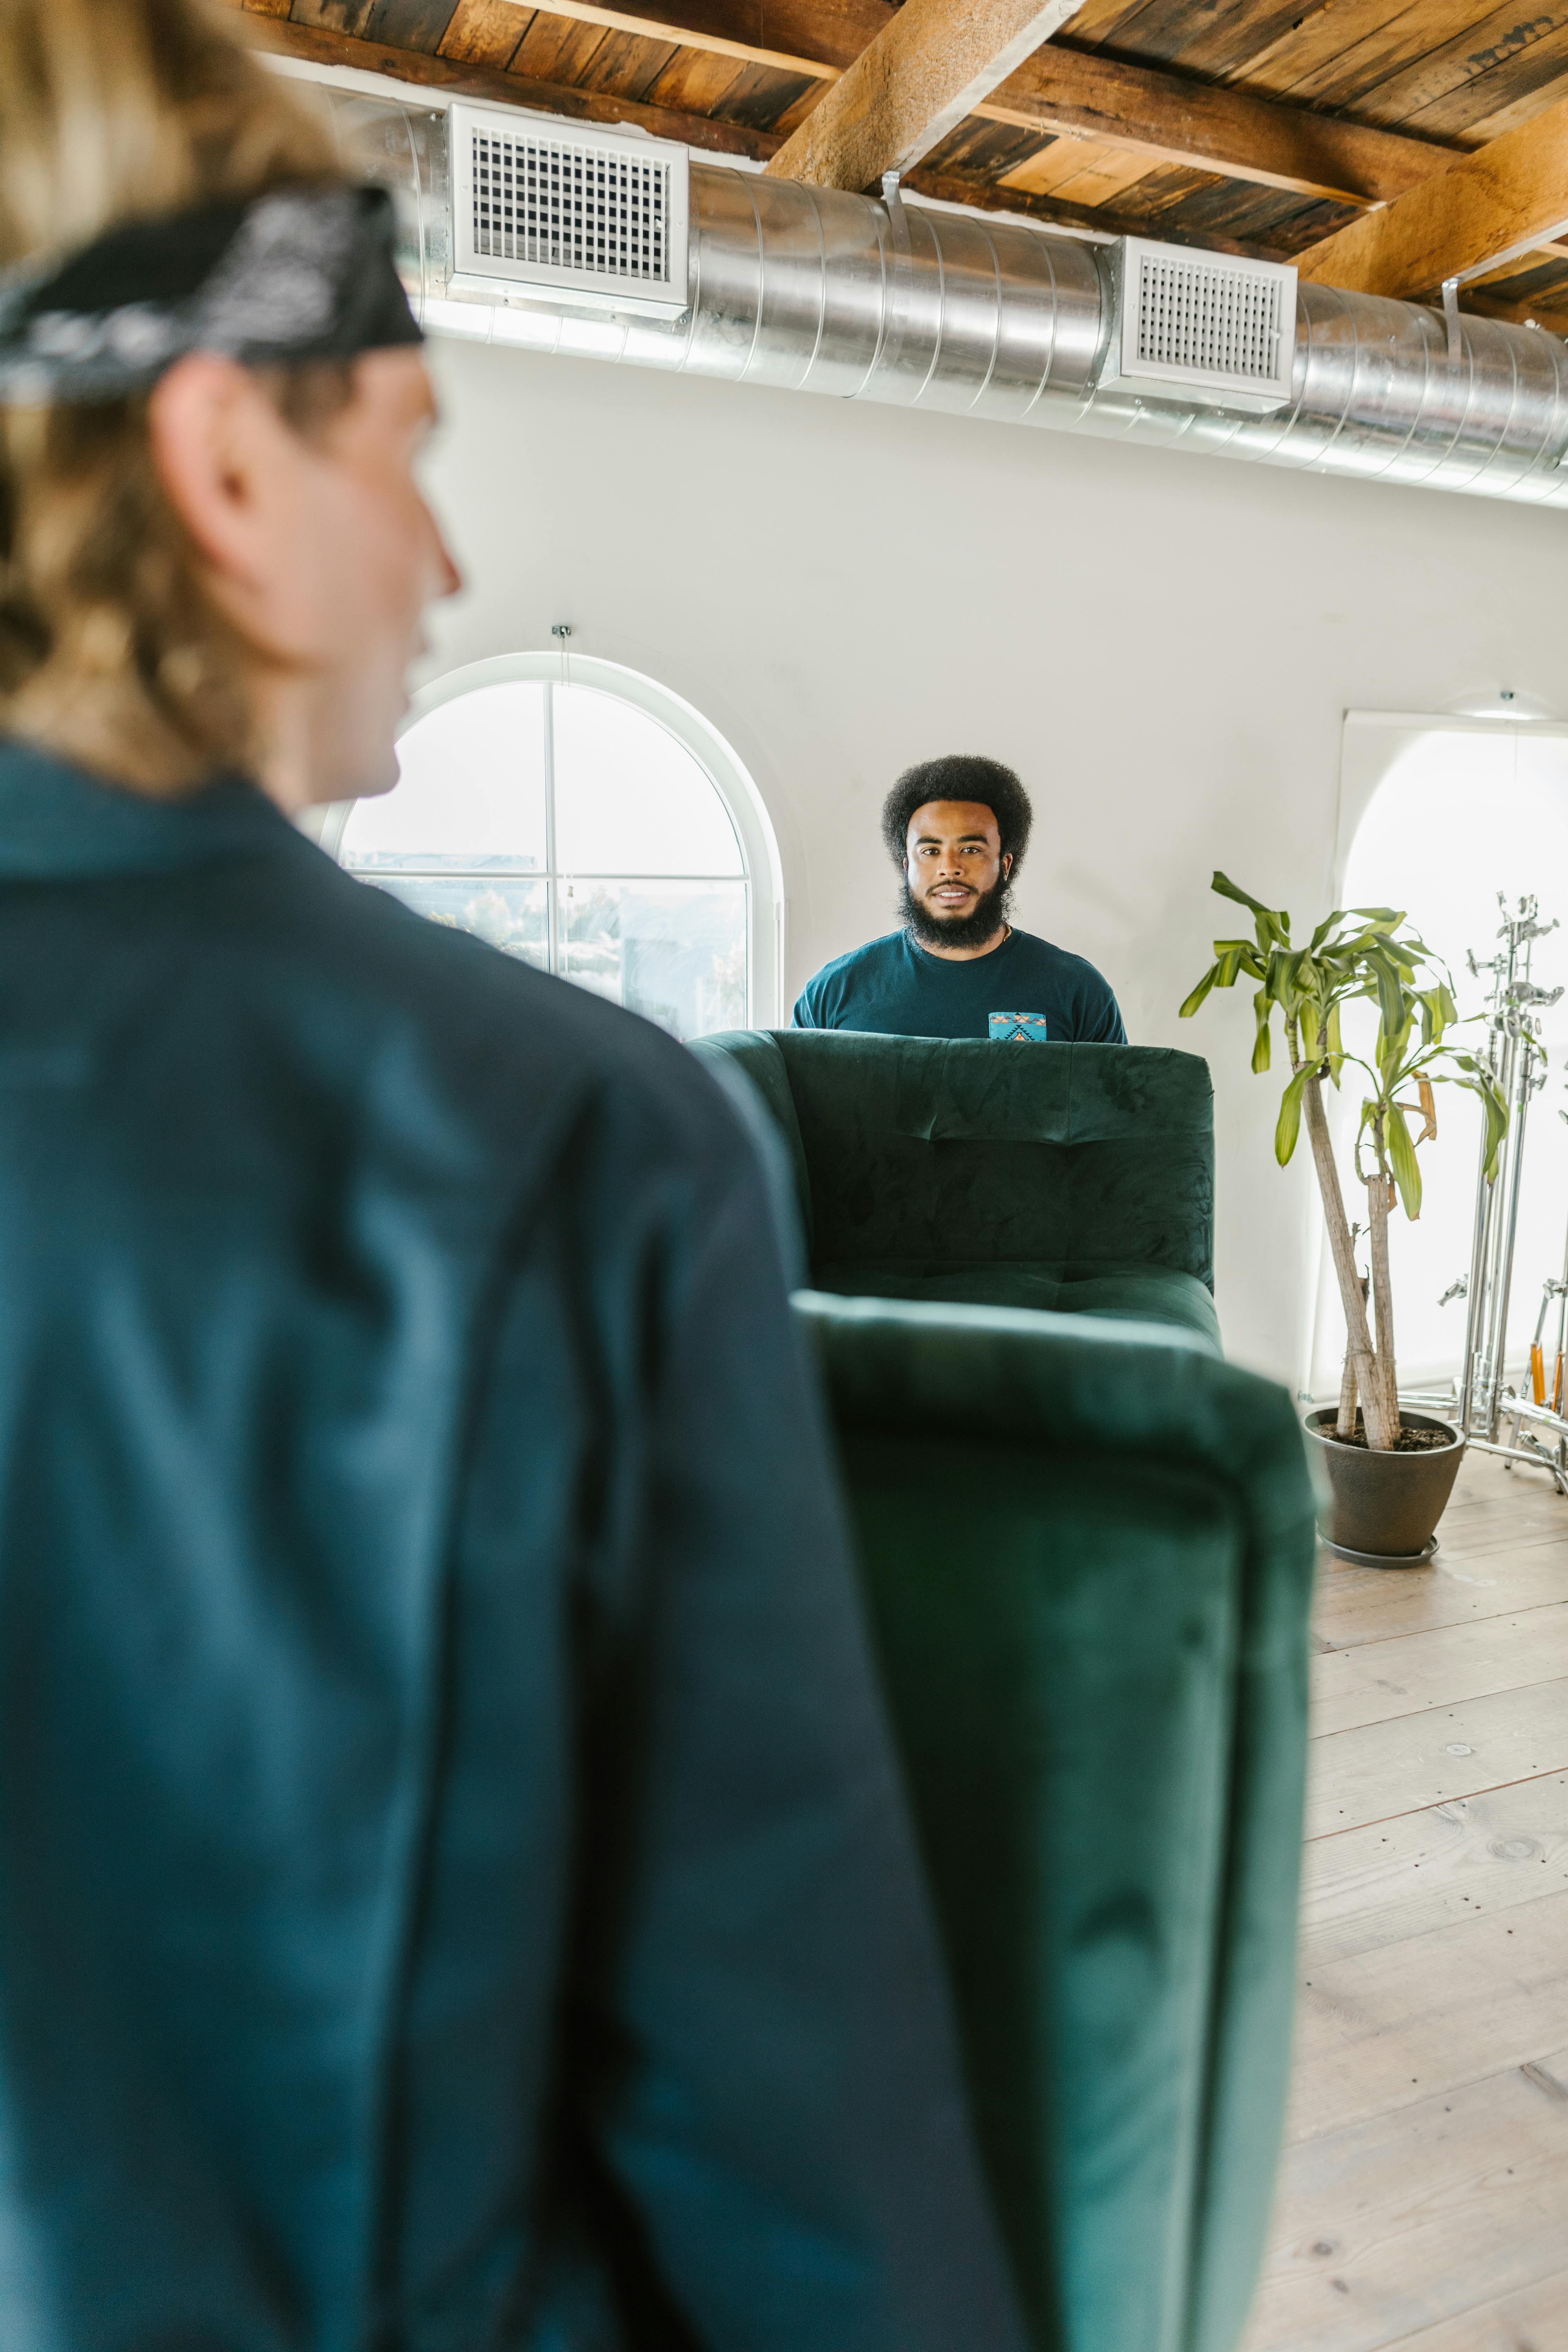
(1439, 816)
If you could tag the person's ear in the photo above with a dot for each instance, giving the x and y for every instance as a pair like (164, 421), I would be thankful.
(215, 438)
(1006, 864)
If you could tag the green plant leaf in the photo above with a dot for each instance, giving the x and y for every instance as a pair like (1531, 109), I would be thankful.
(1289, 1125)
(1191, 1003)
(1263, 1007)
(1390, 995)
(1270, 924)
(1402, 1161)
(1312, 1029)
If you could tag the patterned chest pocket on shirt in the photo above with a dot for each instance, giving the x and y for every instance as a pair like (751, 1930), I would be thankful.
(1018, 1028)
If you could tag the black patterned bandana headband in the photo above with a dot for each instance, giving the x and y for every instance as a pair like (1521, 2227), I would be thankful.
(297, 275)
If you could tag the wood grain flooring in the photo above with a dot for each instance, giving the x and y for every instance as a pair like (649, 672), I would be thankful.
(1422, 2199)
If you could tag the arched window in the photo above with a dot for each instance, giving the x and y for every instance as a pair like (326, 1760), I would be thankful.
(583, 819)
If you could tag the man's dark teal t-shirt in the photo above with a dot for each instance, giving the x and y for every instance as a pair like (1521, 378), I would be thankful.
(896, 988)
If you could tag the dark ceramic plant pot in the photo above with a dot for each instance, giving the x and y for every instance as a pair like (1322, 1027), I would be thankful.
(1384, 1505)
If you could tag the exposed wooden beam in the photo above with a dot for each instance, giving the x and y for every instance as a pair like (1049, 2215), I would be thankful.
(1206, 127)
(1509, 198)
(919, 80)
(1073, 93)
(412, 66)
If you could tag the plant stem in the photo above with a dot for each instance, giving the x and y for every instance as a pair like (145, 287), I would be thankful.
(1361, 1362)
(1378, 1191)
(1345, 1425)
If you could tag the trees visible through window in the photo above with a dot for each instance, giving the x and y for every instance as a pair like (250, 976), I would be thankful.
(568, 828)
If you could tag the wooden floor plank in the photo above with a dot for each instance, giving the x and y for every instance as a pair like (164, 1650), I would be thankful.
(1384, 2029)
(1423, 2196)
(1386, 1769)
(1376, 1681)
(1534, 2320)
(1390, 2227)
(1355, 1605)
(1395, 1880)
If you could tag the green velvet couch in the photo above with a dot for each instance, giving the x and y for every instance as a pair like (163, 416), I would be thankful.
(1086, 1549)
(1075, 1178)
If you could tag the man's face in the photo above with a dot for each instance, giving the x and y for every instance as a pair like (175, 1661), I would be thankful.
(320, 551)
(953, 860)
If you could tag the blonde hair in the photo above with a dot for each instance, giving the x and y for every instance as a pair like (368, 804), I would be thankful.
(109, 651)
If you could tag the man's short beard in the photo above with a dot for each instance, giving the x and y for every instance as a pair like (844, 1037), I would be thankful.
(982, 923)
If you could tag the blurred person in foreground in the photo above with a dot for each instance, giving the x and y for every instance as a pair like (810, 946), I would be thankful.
(454, 1890)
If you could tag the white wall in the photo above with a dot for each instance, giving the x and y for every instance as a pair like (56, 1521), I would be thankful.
(1162, 645)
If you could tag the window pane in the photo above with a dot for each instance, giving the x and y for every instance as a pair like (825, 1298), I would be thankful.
(674, 952)
(629, 798)
(470, 794)
(511, 915)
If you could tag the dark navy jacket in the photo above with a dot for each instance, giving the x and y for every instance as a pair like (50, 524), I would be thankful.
(454, 1888)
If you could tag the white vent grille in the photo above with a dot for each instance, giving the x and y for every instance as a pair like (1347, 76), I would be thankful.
(1218, 322)
(1206, 322)
(597, 215)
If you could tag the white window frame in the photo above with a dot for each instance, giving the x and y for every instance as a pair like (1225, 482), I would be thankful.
(763, 871)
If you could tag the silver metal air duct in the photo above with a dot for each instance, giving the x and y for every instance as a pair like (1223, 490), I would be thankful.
(811, 289)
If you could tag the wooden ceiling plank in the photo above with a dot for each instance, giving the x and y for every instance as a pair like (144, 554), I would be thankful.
(695, 81)
(1500, 100)
(407, 24)
(1228, 51)
(415, 25)
(627, 64)
(1523, 103)
(760, 97)
(960, 188)
(1345, 46)
(555, 48)
(803, 35)
(919, 79)
(795, 114)
(458, 80)
(1421, 53)
(1164, 32)
(671, 21)
(1065, 166)
(1101, 24)
(1508, 198)
(485, 32)
(1474, 59)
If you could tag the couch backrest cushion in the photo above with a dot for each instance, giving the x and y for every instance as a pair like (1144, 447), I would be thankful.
(755, 1053)
(925, 1151)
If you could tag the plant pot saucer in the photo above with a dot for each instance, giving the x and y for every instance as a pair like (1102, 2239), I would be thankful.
(1382, 1558)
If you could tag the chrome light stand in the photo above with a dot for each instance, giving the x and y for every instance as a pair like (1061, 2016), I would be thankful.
(1483, 1403)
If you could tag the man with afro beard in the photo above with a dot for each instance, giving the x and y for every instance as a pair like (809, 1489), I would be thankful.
(957, 828)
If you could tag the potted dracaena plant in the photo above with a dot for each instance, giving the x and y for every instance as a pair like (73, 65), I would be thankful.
(1391, 1472)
